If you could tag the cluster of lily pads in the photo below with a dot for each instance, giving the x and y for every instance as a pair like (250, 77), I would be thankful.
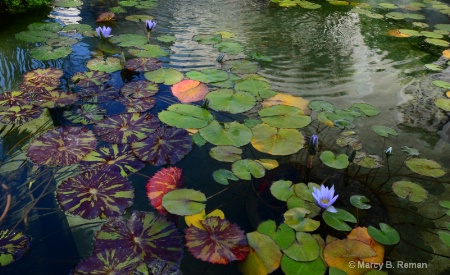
(106, 148)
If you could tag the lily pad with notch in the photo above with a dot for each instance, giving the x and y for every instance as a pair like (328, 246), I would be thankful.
(246, 168)
(227, 100)
(166, 76)
(226, 153)
(136, 104)
(305, 248)
(208, 75)
(409, 190)
(186, 116)
(283, 116)
(49, 53)
(384, 131)
(90, 78)
(222, 176)
(230, 133)
(98, 94)
(425, 167)
(258, 88)
(162, 182)
(297, 219)
(188, 90)
(108, 65)
(274, 141)
(85, 114)
(360, 202)
(241, 66)
(19, 114)
(338, 220)
(367, 109)
(148, 51)
(338, 162)
(129, 40)
(386, 235)
(143, 64)
(13, 245)
(184, 202)
(229, 47)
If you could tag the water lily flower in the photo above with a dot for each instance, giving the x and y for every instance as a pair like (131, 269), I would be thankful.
(388, 152)
(150, 25)
(104, 32)
(324, 198)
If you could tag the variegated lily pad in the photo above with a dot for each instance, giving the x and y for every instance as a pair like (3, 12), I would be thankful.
(126, 128)
(13, 244)
(136, 104)
(62, 146)
(15, 98)
(85, 114)
(95, 194)
(143, 64)
(167, 145)
(41, 80)
(90, 78)
(98, 94)
(52, 99)
(116, 158)
(150, 235)
(19, 114)
(139, 89)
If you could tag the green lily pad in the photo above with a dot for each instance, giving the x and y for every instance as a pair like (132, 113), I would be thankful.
(321, 105)
(437, 42)
(367, 109)
(442, 84)
(443, 103)
(445, 237)
(67, 3)
(304, 191)
(368, 161)
(184, 202)
(305, 248)
(337, 220)
(230, 133)
(208, 75)
(259, 57)
(396, 15)
(292, 267)
(49, 53)
(45, 26)
(412, 152)
(384, 131)
(294, 202)
(128, 3)
(149, 51)
(297, 220)
(222, 176)
(227, 100)
(284, 236)
(241, 66)
(197, 139)
(13, 244)
(274, 141)
(258, 88)
(445, 204)
(268, 228)
(387, 235)
(282, 189)
(359, 202)
(166, 38)
(129, 40)
(431, 34)
(165, 76)
(445, 27)
(62, 41)
(109, 65)
(226, 153)
(425, 167)
(118, 10)
(388, 5)
(283, 116)
(409, 190)
(207, 39)
(229, 47)
(83, 29)
(247, 168)
(186, 116)
(337, 162)
(139, 18)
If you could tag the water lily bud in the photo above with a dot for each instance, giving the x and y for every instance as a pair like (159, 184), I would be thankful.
(313, 145)
(104, 32)
(150, 25)
(388, 152)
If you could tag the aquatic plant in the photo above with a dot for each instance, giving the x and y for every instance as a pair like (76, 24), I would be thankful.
(149, 26)
(103, 32)
(324, 198)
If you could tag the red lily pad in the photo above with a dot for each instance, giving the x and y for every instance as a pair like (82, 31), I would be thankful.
(143, 64)
(106, 16)
(139, 89)
(19, 114)
(163, 181)
(126, 128)
(189, 90)
(52, 99)
(136, 104)
(167, 145)
(62, 146)
(116, 158)
(15, 98)
(90, 78)
(13, 244)
(40, 80)
(220, 243)
(95, 194)
(86, 114)
(150, 235)
(119, 260)
(98, 94)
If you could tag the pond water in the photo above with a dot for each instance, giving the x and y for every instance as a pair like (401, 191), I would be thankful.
(331, 53)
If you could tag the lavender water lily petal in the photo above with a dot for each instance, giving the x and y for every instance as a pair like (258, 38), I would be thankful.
(103, 32)
(150, 25)
(324, 198)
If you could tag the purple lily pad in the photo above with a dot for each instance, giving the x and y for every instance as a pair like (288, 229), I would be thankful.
(13, 244)
(143, 64)
(111, 261)
(86, 114)
(139, 89)
(62, 146)
(150, 235)
(15, 98)
(91, 78)
(98, 94)
(167, 145)
(126, 128)
(41, 80)
(95, 194)
(19, 114)
(115, 158)
(137, 104)
(52, 99)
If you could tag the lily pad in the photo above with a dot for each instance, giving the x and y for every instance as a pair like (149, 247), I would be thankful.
(83, 29)
(67, 3)
(338, 162)
(387, 235)
(247, 168)
(19, 115)
(45, 26)
(354, 143)
(143, 64)
(129, 40)
(95, 194)
(166, 76)
(126, 128)
(444, 236)
(229, 47)
(208, 75)
(207, 39)
(116, 158)
(90, 78)
(136, 104)
(227, 100)
(241, 66)
(98, 94)
(62, 146)
(367, 109)
(222, 176)
(15, 98)
(292, 267)
(368, 161)
(189, 90)
(184, 202)
(437, 42)
(40, 80)
(226, 153)
(34, 36)
(138, 17)
(166, 38)
(195, 219)
(109, 65)
(85, 114)
(52, 99)
(268, 164)
(13, 244)
(149, 51)
(360, 202)
(139, 89)
(220, 243)
(342, 254)
(284, 236)
(409, 190)
(425, 167)
(282, 189)
(61, 41)
(48, 53)
(337, 220)
(162, 182)
(258, 88)
(230, 133)
(442, 84)
(283, 116)
(384, 131)
(289, 100)
(443, 103)
(166, 145)
(321, 105)
(305, 248)
(297, 220)
(186, 116)
(274, 141)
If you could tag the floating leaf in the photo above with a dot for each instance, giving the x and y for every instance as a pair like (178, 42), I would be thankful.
(195, 219)
(247, 168)
(98, 94)
(90, 78)
(443, 103)
(222, 176)
(126, 128)
(445, 204)
(138, 17)
(337, 162)
(149, 50)
(220, 243)
(445, 237)
(297, 220)
(184, 202)
(62, 41)
(229, 47)
(13, 244)
(45, 26)
(384, 131)
(412, 152)
(226, 153)
(128, 3)
(264, 256)
(163, 181)
(48, 53)
(165, 76)
(284, 236)
(425, 167)
(274, 141)
(354, 143)
(105, 17)
(139, 89)
(207, 39)
(40, 80)
(321, 105)
(208, 75)
(62, 146)
(292, 267)
(15, 98)
(296, 202)
(409, 190)
(166, 38)
(342, 253)
(359, 202)
(150, 235)
(136, 104)
(109, 65)
(230, 133)
(283, 116)
(282, 189)
(34, 36)
(197, 138)
(367, 109)
(437, 42)
(129, 40)
(362, 234)
(19, 114)
(442, 84)
(52, 99)
(268, 164)
(189, 91)
(95, 194)
(289, 100)
(116, 158)
(186, 116)
(85, 114)
(228, 100)
(337, 220)
(305, 248)
(268, 228)
(83, 29)
(167, 145)
(368, 161)
(241, 66)
(143, 64)
(258, 88)
(259, 57)
(387, 235)
(67, 3)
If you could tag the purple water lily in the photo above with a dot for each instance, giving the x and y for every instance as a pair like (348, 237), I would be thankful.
(150, 25)
(104, 32)
(324, 198)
